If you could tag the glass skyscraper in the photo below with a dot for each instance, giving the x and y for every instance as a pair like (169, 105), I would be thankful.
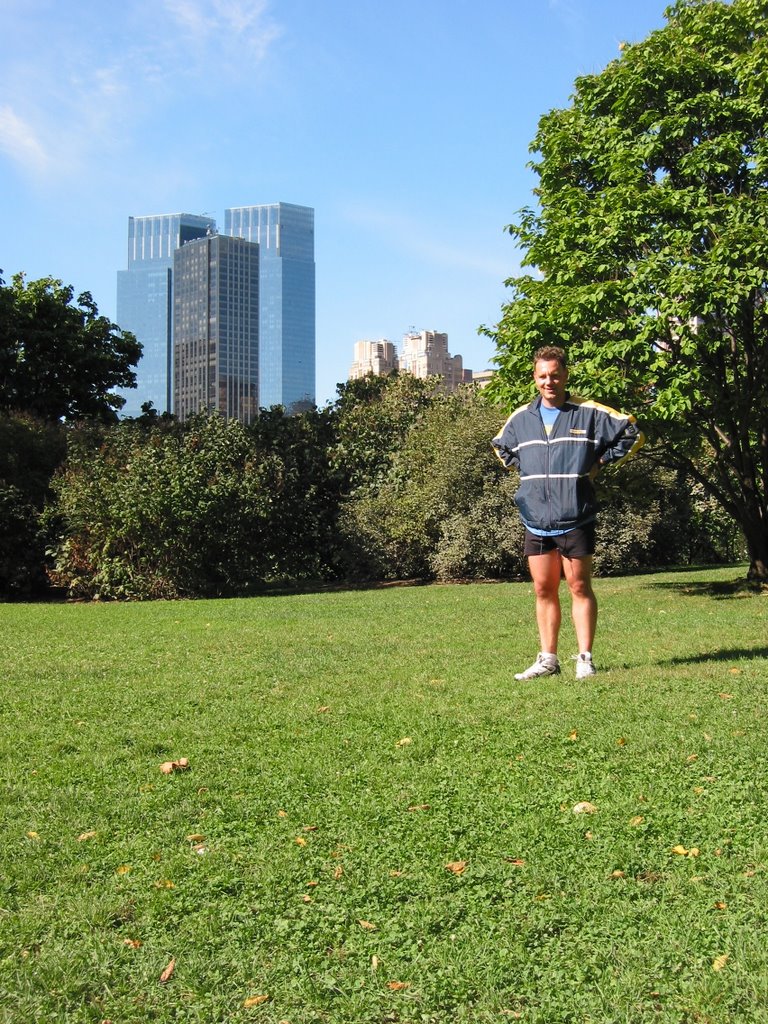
(286, 237)
(216, 328)
(145, 301)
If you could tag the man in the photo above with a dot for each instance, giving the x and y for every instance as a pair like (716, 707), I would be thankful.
(559, 444)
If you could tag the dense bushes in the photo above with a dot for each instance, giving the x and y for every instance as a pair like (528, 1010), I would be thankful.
(208, 508)
(444, 508)
(30, 451)
(396, 480)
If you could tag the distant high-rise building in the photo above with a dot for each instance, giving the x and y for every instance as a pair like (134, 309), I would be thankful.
(425, 353)
(286, 237)
(376, 357)
(216, 328)
(145, 301)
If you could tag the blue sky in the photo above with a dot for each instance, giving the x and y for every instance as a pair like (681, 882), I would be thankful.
(405, 124)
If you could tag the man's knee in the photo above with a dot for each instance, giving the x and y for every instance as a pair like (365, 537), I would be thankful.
(547, 590)
(581, 587)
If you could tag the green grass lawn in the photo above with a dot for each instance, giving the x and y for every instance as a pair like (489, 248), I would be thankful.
(377, 822)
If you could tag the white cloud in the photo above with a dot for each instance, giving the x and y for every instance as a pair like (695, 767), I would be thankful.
(79, 91)
(244, 24)
(420, 240)
(19, 141)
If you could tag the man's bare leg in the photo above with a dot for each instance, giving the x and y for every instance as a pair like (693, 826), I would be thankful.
(578, 576)
(546, 572)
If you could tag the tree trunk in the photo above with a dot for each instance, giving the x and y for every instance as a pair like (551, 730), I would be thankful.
(757, 548)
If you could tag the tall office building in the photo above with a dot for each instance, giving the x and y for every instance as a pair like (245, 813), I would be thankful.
(216, 328)
(145, 301)
(286, 237)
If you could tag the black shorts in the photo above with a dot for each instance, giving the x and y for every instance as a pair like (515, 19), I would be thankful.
(578, 543)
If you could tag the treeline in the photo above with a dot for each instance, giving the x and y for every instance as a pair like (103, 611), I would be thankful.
(394, 481)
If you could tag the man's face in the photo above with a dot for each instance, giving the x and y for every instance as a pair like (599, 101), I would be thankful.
(550, 379)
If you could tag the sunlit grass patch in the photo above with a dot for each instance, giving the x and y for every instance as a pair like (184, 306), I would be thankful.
(377, 823)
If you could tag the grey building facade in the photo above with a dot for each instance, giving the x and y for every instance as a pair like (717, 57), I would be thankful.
(216, 328)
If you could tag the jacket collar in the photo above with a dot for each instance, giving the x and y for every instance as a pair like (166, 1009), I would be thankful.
(535, 405)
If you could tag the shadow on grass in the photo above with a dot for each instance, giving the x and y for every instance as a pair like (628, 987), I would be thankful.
(727, 654)
(718, 589)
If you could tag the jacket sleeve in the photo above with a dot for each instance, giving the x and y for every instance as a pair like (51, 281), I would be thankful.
(621, 443)
(505, 444)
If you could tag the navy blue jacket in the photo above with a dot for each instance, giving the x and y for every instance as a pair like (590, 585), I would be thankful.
(555, 490)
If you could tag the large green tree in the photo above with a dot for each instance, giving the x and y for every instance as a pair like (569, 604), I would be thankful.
(59, 359)
(648, 250)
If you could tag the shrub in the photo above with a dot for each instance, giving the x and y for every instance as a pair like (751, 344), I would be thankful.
(177, 512)
(30, 451)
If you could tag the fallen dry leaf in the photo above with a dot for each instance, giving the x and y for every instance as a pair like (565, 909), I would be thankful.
(165, 976)
(584, 807)
(33, 835)
(680, 850)
(323, 709)
(419, 807)
(573, 735)
(300, 841)
(398, 986)
(720, 905)
(621, 742)
(374, 963)
(164, 883)
(133, 943)
(404, 742)
(692, 757)
(282, 814)
(123, 869)
(618, 874)
(338, 872)
(169, 767)
(456, 867)
(85, 835)
(310, 828)
(720, 961)
(369, 927)
(726, 696)
(517, 861)
(196, 837)
(254, 1001)
(306, 898)
(637, 820)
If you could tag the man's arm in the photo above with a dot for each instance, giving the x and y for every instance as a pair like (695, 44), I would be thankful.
(629, 440)
(505, 444)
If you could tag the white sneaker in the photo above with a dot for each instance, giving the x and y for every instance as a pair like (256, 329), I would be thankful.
(545, 665)
(584, 665)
